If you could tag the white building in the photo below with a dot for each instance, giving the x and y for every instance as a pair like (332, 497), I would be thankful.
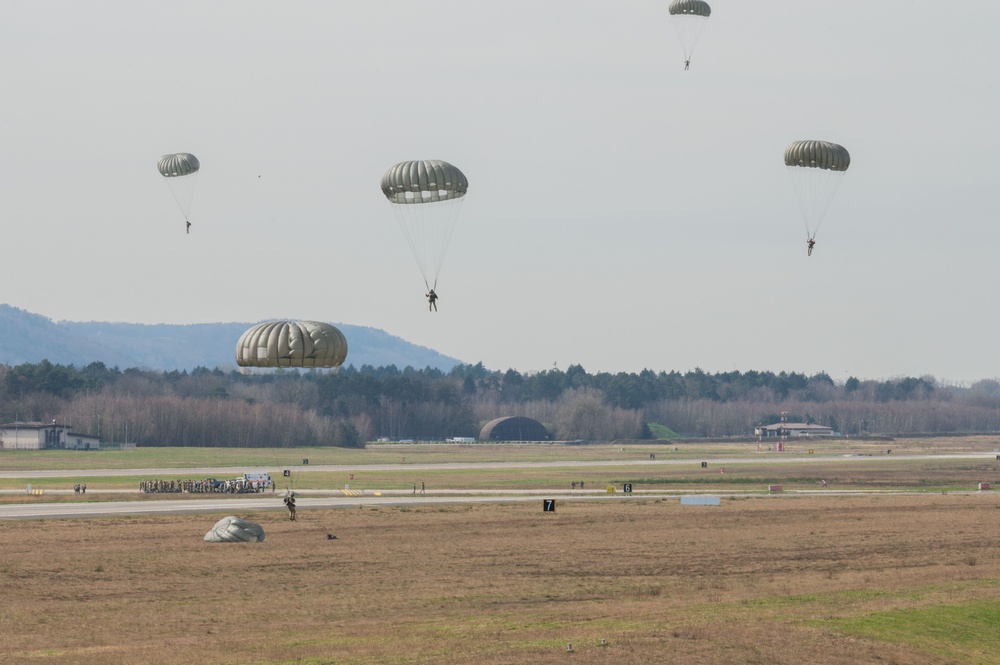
(793, 429)
(41, 436)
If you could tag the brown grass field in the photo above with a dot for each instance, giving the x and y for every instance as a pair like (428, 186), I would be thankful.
(877, 578)
(763, 580)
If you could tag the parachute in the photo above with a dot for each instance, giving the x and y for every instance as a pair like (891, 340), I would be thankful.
(816, 169)
(235, 530)
(291, 344)
(689, 18)
(181, 172)
(426, 197)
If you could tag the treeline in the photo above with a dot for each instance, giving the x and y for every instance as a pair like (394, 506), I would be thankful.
(288, 408)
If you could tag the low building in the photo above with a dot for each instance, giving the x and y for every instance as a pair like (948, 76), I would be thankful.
(793, 429)
(42, 436)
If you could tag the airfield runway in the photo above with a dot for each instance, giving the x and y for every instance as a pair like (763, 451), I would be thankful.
(335, 498)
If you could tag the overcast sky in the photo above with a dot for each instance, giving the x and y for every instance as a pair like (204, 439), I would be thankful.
(622, 213)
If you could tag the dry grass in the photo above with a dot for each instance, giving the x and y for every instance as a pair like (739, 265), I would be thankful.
(430, 453)
(751, 581)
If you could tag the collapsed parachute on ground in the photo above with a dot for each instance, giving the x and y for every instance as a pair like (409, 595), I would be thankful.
(689, 18)
(291, 344)
(235, 530)
(816, 169)
(181, 173)
(426, 197)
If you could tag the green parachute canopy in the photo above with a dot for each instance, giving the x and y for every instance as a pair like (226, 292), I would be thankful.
(817, 155)
(291, 344)
(425, 181)
(177, 165)
(693, 7)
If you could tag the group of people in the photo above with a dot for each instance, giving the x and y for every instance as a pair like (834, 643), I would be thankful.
(206, 486)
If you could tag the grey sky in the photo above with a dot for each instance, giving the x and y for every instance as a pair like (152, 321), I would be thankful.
(622, 213)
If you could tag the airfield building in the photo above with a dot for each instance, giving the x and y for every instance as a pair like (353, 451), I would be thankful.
(42, 436)
(793, 429)
(514, 428)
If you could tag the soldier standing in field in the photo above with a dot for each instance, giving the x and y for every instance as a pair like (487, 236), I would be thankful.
(290, 503)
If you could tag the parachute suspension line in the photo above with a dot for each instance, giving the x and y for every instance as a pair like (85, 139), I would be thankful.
(689, 28)
(182, 189)
(428, 228)
(814, 190)
(446, 214)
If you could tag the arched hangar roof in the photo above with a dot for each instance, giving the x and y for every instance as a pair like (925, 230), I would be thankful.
(514, 428)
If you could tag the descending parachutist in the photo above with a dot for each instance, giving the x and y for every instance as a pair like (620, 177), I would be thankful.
(180, 171)
(689, 18)
(188, 229)
(815, 168)
(432, 301)
(426, 196)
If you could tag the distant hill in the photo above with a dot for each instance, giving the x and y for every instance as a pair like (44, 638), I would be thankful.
(30, 338)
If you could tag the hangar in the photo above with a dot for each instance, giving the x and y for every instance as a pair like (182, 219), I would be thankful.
(514, 428)
(793, 429)
(42, 436)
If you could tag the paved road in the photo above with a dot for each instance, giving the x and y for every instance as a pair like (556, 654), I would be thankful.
(239, 505)
(235, 506)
